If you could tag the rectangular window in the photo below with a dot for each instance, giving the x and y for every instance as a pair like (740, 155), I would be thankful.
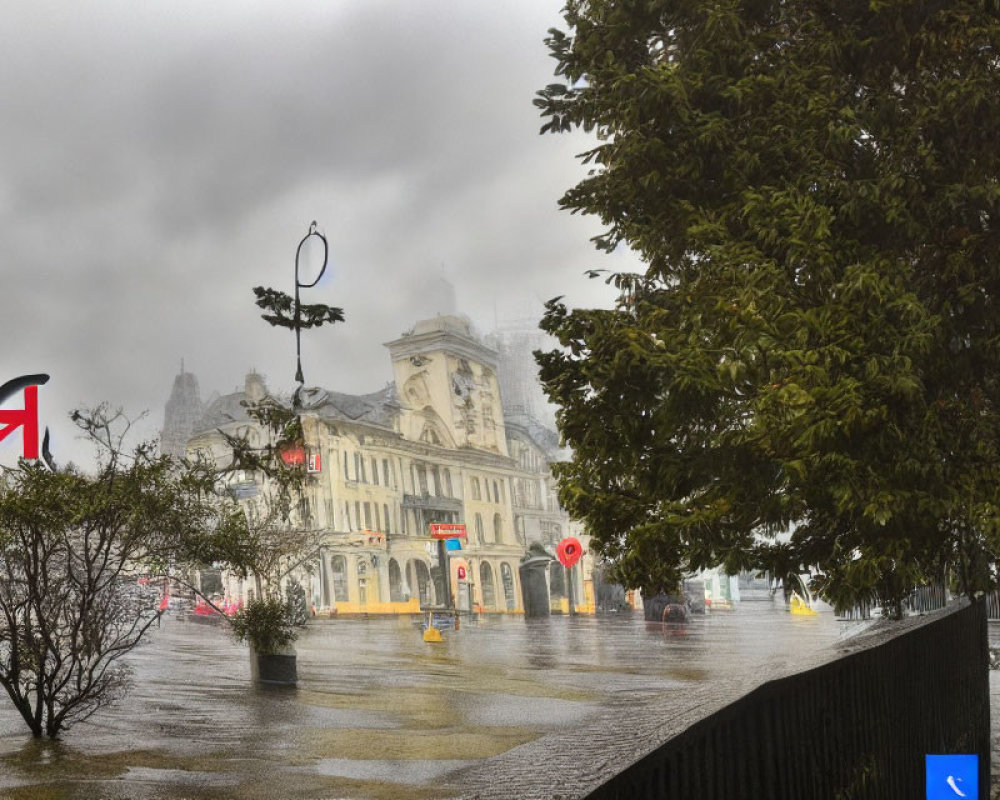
(347, 517)
(364, 475)
(368, 516)
(385, 471)
(374, 471)
(476, 495)
(388, 521)
(436, 479)
(328, 507)
(357, 467)
(422, 478)
(378, 521)
(402, 522)
(347, 472)
(357, 513)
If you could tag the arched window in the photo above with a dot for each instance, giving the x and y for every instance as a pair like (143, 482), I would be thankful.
(497, 529)
(338, 567)
(395, 582)
(486, 582)
(479, 529)
(507, 579)
(430, 435)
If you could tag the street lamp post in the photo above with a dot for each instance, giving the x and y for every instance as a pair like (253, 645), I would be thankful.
(289, 312)
(299, 285)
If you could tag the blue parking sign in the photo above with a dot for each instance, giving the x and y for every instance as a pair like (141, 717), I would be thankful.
(952, 776)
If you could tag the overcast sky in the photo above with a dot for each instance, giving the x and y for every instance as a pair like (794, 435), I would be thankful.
(160, 160)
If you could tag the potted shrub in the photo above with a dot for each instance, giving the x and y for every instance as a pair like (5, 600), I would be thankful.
(268, 626)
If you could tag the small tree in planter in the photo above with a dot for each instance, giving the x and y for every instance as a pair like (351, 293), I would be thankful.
(268, 625)
(264, 542)
(260, 542)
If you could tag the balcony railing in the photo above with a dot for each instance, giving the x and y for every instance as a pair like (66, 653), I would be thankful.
(431, 502)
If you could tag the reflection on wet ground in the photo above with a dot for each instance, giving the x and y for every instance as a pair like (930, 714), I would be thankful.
(381, 714)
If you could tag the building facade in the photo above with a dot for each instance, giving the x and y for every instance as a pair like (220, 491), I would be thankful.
(431, 448)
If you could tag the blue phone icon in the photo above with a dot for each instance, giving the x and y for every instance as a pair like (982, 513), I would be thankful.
(951, 777)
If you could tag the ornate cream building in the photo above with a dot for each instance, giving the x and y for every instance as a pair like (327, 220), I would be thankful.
(431, 448)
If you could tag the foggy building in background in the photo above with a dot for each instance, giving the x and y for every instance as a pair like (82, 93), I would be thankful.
(432, 447)
(184, 408)
(524, 400)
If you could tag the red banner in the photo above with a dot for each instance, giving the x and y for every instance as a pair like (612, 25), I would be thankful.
(441, 530)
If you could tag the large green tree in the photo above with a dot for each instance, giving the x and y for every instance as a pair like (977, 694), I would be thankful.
(813, 187)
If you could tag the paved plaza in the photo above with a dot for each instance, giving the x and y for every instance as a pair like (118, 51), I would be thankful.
(506, 707)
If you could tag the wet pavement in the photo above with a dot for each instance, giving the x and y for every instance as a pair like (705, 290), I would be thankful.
(504, 708)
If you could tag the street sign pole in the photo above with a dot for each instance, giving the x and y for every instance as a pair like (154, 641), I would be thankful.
(569, 590)
(445, 562)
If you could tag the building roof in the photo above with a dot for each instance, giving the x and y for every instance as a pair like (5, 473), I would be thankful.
(376, 408)
(222, 411)
(544, 437)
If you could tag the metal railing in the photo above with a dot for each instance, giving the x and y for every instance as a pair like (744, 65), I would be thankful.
(854, 728)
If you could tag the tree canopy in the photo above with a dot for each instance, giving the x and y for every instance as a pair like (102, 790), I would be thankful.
(813, 187)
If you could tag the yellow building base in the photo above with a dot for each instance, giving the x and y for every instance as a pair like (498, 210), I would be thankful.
(411, 606)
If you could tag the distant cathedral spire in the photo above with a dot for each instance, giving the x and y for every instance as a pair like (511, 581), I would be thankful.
(183, 410)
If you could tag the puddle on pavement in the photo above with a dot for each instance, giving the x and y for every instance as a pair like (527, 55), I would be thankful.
(541, 712)
(391, 771)
(465, 744)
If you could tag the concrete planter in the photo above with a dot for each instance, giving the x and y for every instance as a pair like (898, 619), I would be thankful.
(273, 669)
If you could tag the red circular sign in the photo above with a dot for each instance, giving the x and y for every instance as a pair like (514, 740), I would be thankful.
(568, 551)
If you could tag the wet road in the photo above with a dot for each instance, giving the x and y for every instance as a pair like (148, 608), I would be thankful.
(380, 714)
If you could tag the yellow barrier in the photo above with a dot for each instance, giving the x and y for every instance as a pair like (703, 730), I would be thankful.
(799, 607)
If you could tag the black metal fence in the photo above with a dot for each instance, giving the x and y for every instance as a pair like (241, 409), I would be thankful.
(993, 605)
(857, 727)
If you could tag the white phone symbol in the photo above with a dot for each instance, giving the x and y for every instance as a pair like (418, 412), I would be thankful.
(954, 788)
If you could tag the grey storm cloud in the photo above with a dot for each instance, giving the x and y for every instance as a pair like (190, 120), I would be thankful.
(156, 163)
